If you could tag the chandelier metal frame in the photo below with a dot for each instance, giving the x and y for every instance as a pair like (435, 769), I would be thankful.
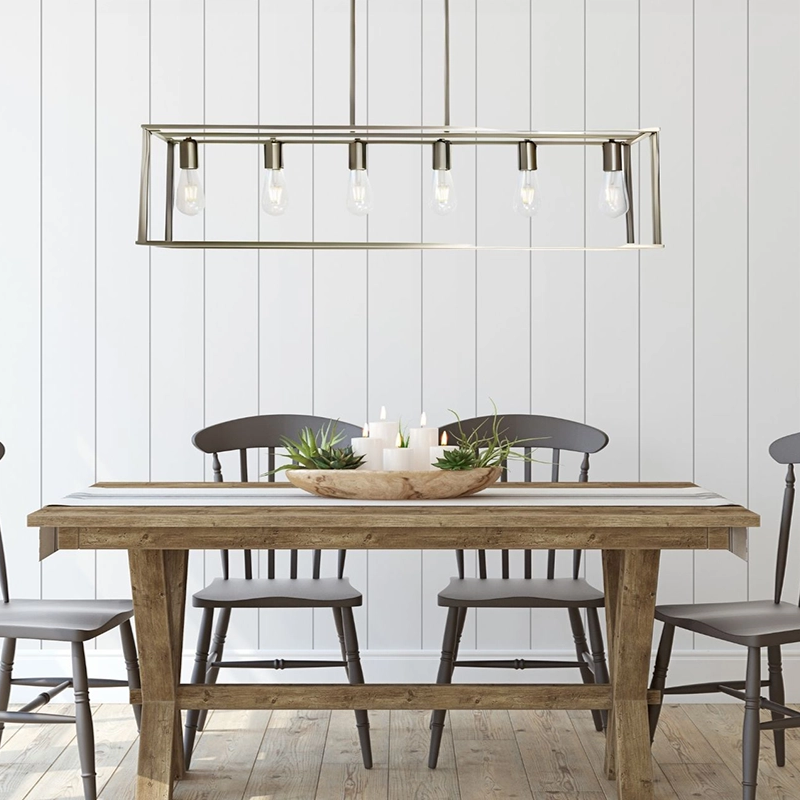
(173, 134)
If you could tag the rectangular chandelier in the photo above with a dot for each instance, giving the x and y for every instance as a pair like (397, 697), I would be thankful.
(613, 147)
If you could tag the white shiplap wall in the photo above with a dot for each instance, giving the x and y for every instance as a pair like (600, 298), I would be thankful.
(111, 356)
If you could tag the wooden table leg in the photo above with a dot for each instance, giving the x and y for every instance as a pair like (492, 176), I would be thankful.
(158, 578)
(612, 572)
(632, 645)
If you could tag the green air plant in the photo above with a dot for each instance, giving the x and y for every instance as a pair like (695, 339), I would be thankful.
(402, 435)
(482, 449)
(320, 451)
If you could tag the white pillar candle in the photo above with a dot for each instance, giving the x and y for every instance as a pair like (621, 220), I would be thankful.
(420, 442)
(384, 430)
(439, 451)
(371, 449)
(398, 459)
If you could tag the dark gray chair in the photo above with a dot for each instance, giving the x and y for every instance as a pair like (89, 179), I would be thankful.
(74, 621)
(227, 593)
(573, 594)
(754, 624)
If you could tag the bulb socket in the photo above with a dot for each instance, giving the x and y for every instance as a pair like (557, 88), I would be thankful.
(612, 156)
(273, 154)
(188, 154)
(358, 154)
(527, 155)
(441, 154)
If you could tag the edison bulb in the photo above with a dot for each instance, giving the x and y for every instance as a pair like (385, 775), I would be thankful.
(613, 200)
(527, 198)
(274, 196)
(359, 193)
(443, 192)
(189, 197)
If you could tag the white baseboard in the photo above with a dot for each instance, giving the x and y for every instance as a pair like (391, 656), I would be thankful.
(391, 666)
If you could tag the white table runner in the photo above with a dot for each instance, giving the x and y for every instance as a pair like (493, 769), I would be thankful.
(494, 496)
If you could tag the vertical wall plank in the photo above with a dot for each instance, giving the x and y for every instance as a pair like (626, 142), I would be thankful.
(177, 279)
(667, 380)
(503, 278)
(394, 293)
(123, 286)
(177, 276)
(774, 285)
(612, 279)
(232, 211)
(68, 273)
(448, 278)
(340, 278)
(721, 269)
(285, 315)
(20, 278)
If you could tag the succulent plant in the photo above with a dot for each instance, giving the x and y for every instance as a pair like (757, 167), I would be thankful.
(319, 451)
(454, 460)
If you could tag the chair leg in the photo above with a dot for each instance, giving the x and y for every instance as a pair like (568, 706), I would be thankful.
(598, 653)
(445, 676)
(660, 674)
(777, 695)
(462, 618)
(582, 650)
(356, 676)
(83, 720)
(337, 620)
(217, 650)
(6, 668)
(199, 674)
(751, 732)
(131, 666)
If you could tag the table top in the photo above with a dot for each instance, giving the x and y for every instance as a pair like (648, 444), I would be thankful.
(399, 526)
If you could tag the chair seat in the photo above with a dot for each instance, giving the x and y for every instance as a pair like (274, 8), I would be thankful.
(521, 593)
(753, 623)
(62, 620)
(277, 593)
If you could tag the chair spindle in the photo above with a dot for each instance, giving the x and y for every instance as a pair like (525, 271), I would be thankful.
(504, 557)
(216, 467)
(785, 529)
(316, 565)
(482, 563)
(556, 464)
(584, 469)
(293, 565)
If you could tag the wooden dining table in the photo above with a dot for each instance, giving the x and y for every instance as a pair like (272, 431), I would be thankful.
(158, 538)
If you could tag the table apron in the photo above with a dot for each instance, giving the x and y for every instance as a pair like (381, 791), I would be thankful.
(393, 538)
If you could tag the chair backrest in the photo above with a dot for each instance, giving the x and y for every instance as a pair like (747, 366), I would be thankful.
(265, 431)
(785, 451)
(3, 571)
(539, 433)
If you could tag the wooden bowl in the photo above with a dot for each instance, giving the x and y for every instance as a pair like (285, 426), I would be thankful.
(352, 484)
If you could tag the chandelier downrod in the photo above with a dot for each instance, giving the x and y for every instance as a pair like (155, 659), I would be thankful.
(352, 63)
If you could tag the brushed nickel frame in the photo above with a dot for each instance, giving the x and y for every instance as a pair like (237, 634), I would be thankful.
(344, 135)
(421, 135)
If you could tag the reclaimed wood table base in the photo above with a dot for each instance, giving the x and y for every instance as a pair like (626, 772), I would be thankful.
(158, 540)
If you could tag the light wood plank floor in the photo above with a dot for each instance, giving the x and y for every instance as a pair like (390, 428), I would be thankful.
(282, 755)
